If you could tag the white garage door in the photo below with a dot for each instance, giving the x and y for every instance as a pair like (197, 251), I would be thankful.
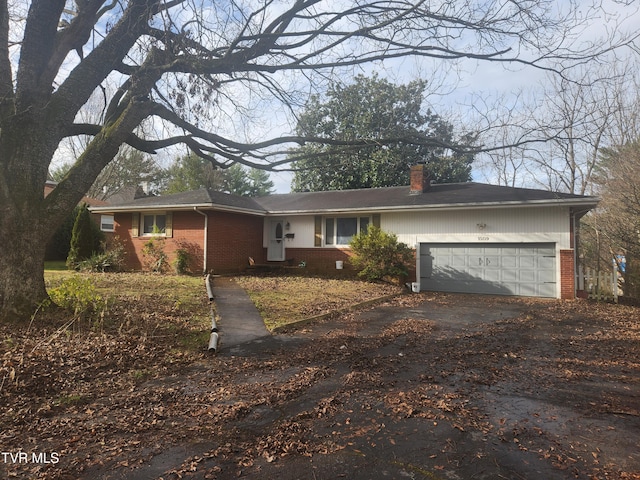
(501, 269)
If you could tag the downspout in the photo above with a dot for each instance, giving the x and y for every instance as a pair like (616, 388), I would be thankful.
(206, 238)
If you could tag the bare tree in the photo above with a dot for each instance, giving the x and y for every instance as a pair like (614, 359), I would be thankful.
(616, 223)
(578, 121)
(184, 68)
(127, 170)
(505, 131)
(552, 136)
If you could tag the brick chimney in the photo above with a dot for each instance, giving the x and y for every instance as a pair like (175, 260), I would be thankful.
(420, 179)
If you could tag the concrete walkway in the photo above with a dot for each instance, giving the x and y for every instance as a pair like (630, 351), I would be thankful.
(239, 322)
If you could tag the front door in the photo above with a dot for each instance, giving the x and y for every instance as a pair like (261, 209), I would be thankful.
(275, 249)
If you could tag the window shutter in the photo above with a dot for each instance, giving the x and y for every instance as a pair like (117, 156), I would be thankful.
(376, 220)
(168, 226)
(135, 224)
(317, 239)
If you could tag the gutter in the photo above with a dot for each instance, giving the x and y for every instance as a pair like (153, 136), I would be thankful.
(174, 208)
(587, 202)
(206, 238)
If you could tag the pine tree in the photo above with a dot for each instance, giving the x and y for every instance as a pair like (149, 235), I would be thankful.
(83, 238)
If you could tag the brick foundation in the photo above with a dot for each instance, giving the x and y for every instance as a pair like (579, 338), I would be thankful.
(323, 260)
(319, 260)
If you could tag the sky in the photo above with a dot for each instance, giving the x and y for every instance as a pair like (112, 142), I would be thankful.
(469, 80)
(454, 87)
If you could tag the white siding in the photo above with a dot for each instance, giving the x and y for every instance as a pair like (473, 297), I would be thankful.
(503, 225)
(509, 225)
(302, 227)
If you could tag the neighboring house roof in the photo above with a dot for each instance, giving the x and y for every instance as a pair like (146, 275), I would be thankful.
(126, 194)
(92, 202)
(439, 196)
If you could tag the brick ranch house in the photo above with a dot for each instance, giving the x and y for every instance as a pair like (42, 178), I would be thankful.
(468, 237)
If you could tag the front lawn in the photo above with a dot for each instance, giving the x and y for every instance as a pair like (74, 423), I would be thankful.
(287, 299)
(164, 309)
(509, 387)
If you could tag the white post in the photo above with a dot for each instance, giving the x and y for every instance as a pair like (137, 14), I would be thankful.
(614, 282)
(580, 279)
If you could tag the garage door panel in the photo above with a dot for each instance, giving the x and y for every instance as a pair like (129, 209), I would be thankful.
(510, 276)
(458, 260)
(528, 290)
(527, 276)
(546, 262)
(547, 290)
(492, 275)
(509, 261)
(493, 262)
(527, 261)
(506, 269)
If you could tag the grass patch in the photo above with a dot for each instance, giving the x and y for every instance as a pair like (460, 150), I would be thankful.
(55, 273)
(283, 300)
(69, 400)
(141, 375)
(181, 293)
(171, 309)
(151, 325)
(55, 265)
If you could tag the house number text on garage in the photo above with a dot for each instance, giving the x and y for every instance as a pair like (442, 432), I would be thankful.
(483, 239)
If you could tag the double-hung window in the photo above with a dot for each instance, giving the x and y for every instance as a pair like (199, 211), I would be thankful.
(150, 224)
(107, 223)
(154, 224)
(340, 230)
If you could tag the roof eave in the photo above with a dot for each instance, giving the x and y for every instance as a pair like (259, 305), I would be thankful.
(176, 208)
(590, 202)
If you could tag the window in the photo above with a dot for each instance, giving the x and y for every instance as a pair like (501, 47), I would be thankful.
(149, 224)
(154, 224)
(107, 223)
(340, 230)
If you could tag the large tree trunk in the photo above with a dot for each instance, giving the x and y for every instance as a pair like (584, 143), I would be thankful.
(22, 286)
(26, 224)
(23, 238)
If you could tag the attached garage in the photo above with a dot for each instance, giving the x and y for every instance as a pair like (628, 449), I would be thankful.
(499, 269)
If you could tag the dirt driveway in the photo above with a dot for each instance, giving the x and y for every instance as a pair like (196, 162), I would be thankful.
(424, 387)
(464, 387)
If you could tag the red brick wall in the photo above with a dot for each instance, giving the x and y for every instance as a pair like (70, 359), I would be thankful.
(567, 274)
(233, 238)
(323, 260)
(188, 234)
(319, 260)
(122, 226)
